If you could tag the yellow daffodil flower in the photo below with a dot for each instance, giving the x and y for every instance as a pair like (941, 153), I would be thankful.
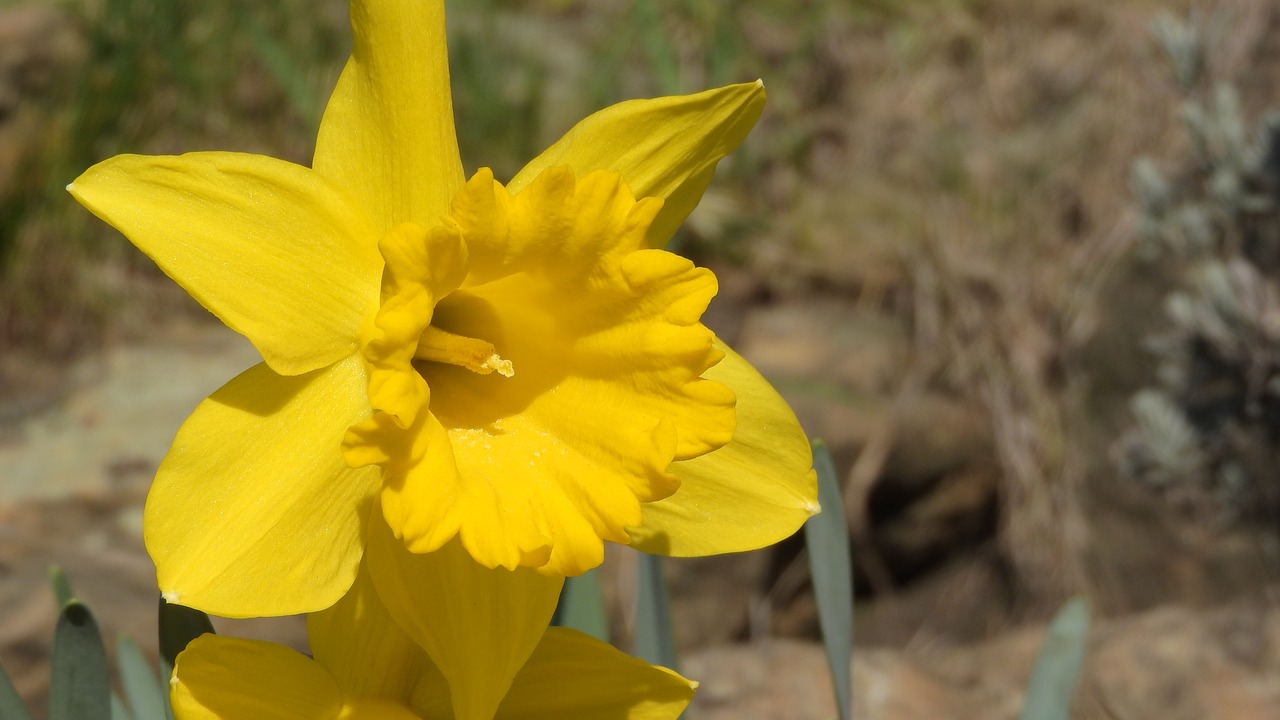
(498, 378)
(366, 668)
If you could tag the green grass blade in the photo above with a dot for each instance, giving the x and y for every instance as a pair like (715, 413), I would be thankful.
(827, 537)
(62, 592)
(655, 635)
(179, 625)
(582, 606)
(1057, 669)
(11, 706)
(142, 688)
(655, 38)
(79, 685)
(118, 709)
(280, 61)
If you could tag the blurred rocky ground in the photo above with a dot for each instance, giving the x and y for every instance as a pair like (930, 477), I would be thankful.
(75, 472)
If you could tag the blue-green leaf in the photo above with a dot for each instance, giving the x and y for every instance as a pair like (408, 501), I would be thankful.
(11, 705)
(655, 639)
(826, 536)
(1057, 669)
(142, 688)
(118, 709)
(582, 606)
(79, 686)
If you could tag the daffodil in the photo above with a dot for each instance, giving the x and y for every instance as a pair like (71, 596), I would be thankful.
(365, 668)
(498, 377)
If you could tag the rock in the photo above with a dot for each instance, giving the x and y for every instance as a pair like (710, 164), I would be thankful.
(116, 423)
(776, 679)
(1179, 664)
(835, 349)
(713, 596)
(1174, 663)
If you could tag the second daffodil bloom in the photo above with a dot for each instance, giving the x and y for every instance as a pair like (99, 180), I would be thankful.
(511, 373)
(365, 668)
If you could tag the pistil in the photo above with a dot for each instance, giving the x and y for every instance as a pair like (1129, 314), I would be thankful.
(476, 355)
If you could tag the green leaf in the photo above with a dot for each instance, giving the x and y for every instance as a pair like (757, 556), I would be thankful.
(582, 606)
(179, 625)
(1057, 669)
(655, 635)
(118, 710)
(11, 707)
(61, 586)
(826, 536)
(142, 688)
(79, 686)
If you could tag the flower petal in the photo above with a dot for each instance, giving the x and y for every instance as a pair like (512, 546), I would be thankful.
(254, 511)
(275, 251)
(479, 626)
(666, 147)
(574, 675)
(753, 492)
(388, 132)
(225, 678)
(377, 709)
(365, 651)
(607, 350)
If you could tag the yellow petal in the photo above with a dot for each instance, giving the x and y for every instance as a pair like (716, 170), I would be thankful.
(377, 709)
(575, 675)
(254, 511)
(479, 626)
(665, 147)
(387, 132)
(224, 678)
(365, 651)
(271, 248)
(420, 268)
(753, 492)
(607, 350)
(426, 501)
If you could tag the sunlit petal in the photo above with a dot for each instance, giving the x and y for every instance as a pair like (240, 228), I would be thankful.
(388, 131)
(665, 147)
(274, 250)
(254, 511)
(224, 678)
(479, 626)
(572, 675)
(365, 651)
(753, 492)
(605, 354)
(377, 709)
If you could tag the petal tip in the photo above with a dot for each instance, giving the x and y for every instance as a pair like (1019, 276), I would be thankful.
(171, 596)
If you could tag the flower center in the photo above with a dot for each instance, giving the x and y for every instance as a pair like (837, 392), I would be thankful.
(478, 356)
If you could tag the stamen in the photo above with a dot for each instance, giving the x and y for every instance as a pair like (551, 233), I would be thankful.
(478, 356)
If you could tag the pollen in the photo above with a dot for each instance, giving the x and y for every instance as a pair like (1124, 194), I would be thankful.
(500, 366)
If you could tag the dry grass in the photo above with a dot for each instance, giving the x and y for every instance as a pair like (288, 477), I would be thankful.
(974, 180)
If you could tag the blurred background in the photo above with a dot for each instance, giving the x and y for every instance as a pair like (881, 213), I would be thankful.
(1016, 261)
